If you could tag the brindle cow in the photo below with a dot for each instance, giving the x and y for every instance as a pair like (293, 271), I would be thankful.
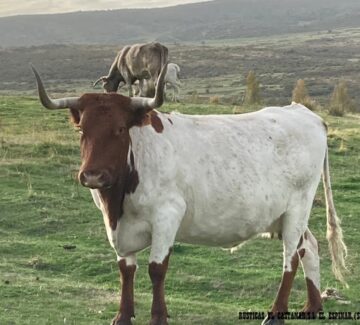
(136, 62)
(214, 180)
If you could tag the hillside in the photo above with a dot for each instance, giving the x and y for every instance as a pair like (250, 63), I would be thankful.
(213, 69)
(214, 20)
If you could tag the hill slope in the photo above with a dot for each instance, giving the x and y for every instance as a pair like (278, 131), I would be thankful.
(219, 19)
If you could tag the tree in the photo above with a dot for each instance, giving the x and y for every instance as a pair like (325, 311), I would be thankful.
(300, 93)
(340, 101)
(252, 93)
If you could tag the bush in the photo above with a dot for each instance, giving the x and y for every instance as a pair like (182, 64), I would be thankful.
(300, 95)
(214, 100)
(311, 104)
(194, 97)
(252, 93)
(340, 102)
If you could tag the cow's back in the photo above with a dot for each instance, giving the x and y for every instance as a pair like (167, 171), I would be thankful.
(236, 173)
(145, 60)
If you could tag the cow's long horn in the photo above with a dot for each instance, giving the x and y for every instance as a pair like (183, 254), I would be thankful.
(67, 102)
(157, 101)
(100, 79)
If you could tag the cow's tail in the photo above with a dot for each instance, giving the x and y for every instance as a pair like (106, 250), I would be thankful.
(334, 233)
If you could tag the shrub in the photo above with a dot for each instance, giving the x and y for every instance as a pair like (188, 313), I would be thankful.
(252, 92)
(195, 97)
(214, 100)
(340, 102)
(300, 95)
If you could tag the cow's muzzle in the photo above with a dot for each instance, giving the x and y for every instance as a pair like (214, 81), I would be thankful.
(95, 179)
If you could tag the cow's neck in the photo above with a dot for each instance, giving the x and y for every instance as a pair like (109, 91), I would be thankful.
(113, 197)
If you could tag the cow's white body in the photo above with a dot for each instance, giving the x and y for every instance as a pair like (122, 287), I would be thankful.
(220, 179)
(215, 180)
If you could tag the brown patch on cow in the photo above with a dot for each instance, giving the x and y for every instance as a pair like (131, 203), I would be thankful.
(282, 298)
(157, 273)
(171, 122)
(156, 122)
(113, 198)
(314, 303)
(302, 253)
(133, 176)
(126, 310)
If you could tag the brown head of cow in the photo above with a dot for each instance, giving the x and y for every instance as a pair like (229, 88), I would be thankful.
(104, 121)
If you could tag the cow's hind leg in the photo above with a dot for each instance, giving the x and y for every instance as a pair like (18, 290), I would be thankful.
(309, 255)
(293, 226)
(127, 267)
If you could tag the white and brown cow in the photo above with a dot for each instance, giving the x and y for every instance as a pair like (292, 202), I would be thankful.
(214, 180)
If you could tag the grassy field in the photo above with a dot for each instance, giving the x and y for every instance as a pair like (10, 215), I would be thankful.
(43, 210)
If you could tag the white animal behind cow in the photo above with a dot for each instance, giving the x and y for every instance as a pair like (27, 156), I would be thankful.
(172, 81)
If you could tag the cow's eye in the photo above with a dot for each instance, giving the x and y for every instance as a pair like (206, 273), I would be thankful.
(120, 131)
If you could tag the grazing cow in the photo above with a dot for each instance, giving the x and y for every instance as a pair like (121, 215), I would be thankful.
(135, 62)
(213, 180)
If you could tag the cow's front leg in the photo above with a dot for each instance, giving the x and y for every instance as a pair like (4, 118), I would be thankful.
(127, 267)
(165, 227)
(157, 272)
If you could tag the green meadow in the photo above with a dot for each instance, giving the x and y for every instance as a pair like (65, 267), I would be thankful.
(57, 267)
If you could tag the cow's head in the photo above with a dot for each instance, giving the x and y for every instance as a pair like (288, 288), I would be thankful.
(104, 121)
(109, 83)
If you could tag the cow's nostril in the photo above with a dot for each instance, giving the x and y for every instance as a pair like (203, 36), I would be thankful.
(94, 179)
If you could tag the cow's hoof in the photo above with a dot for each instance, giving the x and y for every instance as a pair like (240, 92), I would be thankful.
(159, 321)
(272, 321)
(118, 320)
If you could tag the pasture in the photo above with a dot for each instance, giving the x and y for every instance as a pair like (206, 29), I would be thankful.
(57, 267)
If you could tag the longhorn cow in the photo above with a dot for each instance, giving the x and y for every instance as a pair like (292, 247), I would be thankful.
(135, 62)
(214, 180)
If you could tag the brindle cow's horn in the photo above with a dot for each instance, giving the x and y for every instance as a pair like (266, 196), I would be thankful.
(157, 101)
(67, 102)
(103, 78)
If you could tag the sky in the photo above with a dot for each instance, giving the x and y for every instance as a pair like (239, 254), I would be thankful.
(27, 7)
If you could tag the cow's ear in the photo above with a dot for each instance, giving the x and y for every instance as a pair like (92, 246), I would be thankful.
(140, 118)
(75, 116)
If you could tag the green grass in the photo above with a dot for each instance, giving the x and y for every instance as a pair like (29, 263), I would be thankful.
(42, 208)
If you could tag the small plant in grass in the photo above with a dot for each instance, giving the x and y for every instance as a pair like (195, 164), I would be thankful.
(195, 97)
(340, 101)
(252, 93)
(300, 92)
(300, 95)
(214, 100)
